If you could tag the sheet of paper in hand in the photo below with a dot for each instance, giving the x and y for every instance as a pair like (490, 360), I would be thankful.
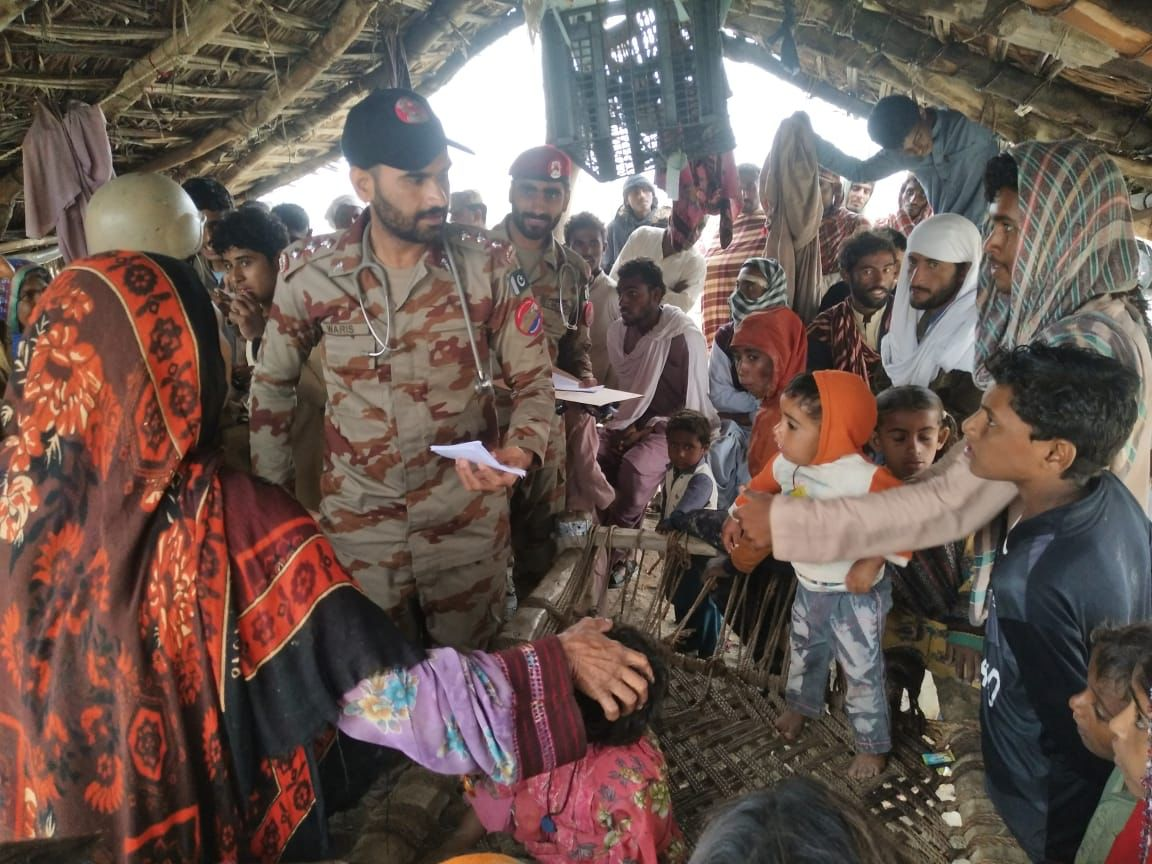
(475, 452)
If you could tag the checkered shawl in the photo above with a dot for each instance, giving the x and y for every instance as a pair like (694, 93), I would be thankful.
(1074, 281)
(749, 231)
(836, 227)
(850, 353)
(902, 222)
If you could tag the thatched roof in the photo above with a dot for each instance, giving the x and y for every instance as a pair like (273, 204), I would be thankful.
(255, 91)
(1042, 69)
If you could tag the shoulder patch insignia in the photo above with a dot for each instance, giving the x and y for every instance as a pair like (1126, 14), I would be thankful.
(529, 319)
(517, 281)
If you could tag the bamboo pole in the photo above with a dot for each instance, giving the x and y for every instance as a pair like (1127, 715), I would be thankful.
(349, 21)
(206, 21)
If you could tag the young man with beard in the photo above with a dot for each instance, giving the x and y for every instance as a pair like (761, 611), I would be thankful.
(558, 280)
(847, 336)
(859, 194)
(914, 208)
(931, 337)
(406, 367)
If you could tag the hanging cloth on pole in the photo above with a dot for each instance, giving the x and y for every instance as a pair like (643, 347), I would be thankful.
(65, 161)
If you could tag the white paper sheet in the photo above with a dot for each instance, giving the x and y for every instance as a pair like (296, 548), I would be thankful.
(476, 452)
(563, 382)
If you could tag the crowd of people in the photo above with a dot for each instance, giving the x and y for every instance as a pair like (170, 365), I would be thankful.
(240, 578)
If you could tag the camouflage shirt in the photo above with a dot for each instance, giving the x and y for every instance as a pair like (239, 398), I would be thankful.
(387, 501)
(559, 282)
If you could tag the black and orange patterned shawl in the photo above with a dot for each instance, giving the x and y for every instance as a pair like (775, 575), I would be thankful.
(169, 671)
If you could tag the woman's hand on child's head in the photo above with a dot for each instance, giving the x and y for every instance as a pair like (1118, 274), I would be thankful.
(603, 669)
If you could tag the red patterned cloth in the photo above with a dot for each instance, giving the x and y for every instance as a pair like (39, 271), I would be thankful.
(838, 224)
(613, 806)
(168, 676)
(902, 222)
(837, 329)
(749, 233)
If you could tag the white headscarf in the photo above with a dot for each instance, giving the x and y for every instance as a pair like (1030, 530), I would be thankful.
(950, 343)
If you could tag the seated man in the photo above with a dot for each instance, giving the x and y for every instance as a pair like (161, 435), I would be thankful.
(249, 242)
(847, 336)
(638, 208)
(931, 338)
(658, 352)
(674, 250)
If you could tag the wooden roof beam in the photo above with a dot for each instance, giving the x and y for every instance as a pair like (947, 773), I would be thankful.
(418, 37)
(743, 51)
(10, 10)
(346, 26)
(206, 21)
(870, 34)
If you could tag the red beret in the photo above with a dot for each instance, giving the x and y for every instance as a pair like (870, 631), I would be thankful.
(542, 163)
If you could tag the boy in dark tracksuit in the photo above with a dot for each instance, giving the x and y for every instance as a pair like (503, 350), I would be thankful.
(1076, 557)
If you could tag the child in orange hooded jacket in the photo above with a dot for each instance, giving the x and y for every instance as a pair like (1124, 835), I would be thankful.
(839, 610)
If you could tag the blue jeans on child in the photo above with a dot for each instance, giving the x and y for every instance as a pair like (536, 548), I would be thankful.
(847, 627)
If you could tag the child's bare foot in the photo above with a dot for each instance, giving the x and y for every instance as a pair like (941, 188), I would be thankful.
(867, 765)
(790, 724)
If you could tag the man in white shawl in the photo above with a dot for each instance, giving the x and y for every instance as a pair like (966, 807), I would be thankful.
(658, 351)
(931, 339)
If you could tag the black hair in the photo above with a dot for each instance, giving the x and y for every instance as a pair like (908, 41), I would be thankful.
(582, 221)
(897, 238)
(1116, 652)
(1073, 394)
(908, 397)
(803, 389)
(250, 228)
(891, 121)
(294, 217)
(627, 729)
(1001, 172)
(692, 422)
(748, 168)
(645, 269)
(861, 246)
(208, 194)
(255, 204)
(798, 821)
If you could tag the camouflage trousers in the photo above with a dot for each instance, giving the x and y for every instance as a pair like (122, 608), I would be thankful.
(454, 607)
(536, 502)
(847, 628)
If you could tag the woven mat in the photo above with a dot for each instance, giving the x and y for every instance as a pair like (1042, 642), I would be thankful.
(718, 737)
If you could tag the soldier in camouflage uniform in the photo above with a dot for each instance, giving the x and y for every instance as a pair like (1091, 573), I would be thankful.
(406, 367)
(558, 279)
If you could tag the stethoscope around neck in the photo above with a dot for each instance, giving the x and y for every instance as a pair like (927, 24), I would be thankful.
(483, 382)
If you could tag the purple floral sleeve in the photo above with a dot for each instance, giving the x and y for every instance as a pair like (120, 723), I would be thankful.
(507, 716)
